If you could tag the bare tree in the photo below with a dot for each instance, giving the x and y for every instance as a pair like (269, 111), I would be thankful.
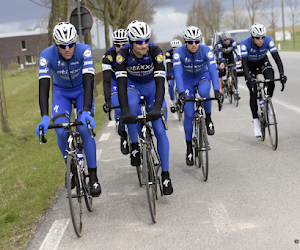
(295, 16)
(207, 15)
(272, 17)
(242, 21)
(254, 8)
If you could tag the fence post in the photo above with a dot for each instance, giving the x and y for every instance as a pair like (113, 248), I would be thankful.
(3, 112)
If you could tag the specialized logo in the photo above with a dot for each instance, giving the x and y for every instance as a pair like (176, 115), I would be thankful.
(56, 108)
(95, 185)
(190, 156)
(166, 182)
(61, 63)
(115, 88)
(125, 144)
(109, 57)
(176, 56)
(187, 92)
(210, 126)
(187, 59)
(134, 152)
(159, 58)
(87, 53)
(43, 62)
(119, 59)
(210, 55)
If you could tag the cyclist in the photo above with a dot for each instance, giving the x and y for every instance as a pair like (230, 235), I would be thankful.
(254, 56)
(175, 43)
(194, 66)
(71, 65)
(110, 86)
(140, 64)
(224, 49)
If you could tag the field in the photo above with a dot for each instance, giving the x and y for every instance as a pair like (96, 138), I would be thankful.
(31, 174)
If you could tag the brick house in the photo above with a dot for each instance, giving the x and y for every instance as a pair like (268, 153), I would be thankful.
(22, 48)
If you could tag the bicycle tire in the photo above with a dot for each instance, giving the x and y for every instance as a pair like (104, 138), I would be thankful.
(151, 185)
(204, 148)
(262, 121)
(233, 83)
(88, 198)
(139, 174)
(74, 196)
(230, 91)
(271, 123)
(195, 143)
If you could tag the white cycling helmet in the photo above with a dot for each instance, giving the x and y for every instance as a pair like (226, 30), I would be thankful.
(224, 35)
(175, 43)
(64, 33)
(192, 33)
(138, 30)
(120, 36)
(258, 30)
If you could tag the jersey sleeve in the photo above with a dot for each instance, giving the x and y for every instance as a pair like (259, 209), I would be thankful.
(88, 62)
(178, 70)
(212, 69)
(44, 65)
(271, 46)
(244, 50)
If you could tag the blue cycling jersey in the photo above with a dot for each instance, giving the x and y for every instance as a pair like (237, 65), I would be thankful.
(194, 65)
(66, 73)
(221, 48)
(254, 53)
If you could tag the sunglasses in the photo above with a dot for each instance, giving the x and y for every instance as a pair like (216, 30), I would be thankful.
(191, 42)
(142, 41)
(64, 46)
(258, 38)
(227, 39)
(118, 45)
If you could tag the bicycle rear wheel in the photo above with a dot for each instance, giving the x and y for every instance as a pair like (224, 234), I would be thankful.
(230, 91)
(149, 178)
(271, 124)
(74, 196)
(233, 84)
(203, 149)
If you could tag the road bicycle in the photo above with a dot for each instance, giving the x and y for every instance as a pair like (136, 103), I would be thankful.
(77, 177)
(266, 112)
(229, 87)
(200, 141)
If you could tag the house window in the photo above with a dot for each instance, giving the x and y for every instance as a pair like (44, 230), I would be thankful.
(18, 60)
(30, 60)
(23, 46)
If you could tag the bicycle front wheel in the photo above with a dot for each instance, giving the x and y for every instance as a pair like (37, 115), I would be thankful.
(74, 195)
(230, 92)
(149, 178)
(271, 124)
(203, 149)
(88, 198)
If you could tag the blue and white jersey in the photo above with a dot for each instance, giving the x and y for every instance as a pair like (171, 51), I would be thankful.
(66, 73)
(194, 65)
(221, 49)
(254, 53)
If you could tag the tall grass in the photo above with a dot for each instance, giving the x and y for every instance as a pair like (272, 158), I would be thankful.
(30, 174)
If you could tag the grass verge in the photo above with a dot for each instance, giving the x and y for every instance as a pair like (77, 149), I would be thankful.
(31, 175)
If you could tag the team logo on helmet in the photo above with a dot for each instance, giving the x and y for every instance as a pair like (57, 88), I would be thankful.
(159, 58)
(119, 59)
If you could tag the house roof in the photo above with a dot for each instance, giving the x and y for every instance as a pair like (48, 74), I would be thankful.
(24, 33)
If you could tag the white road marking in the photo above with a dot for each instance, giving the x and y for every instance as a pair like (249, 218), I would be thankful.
(99, 151)
(54, 235)
(221, 220)
(104, 137)
(111, 124)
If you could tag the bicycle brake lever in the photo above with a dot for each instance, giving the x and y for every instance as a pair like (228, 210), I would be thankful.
(90, 129)
(42, 137)
(163, 118)
(283, 85)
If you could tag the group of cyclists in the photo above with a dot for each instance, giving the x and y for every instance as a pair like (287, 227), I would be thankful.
(134, 67)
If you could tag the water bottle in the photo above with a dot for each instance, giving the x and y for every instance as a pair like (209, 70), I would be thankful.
(261, 104)
(80, 159)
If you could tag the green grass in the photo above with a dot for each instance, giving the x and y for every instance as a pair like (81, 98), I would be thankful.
(288, 44)
(30, 174)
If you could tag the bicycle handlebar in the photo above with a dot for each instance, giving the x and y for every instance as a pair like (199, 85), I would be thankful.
(220, 106)
(108, 113)
(64, 125)
(271, 80)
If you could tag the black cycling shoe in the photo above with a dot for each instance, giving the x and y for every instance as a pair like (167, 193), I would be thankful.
(135, 156)
(124, 143)
(189, 159)
(173, 109)
(210, 127)
(95, 188)
(167, 184)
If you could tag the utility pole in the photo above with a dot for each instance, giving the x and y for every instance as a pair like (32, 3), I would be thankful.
(283, 28)
(3, 112)
(234, 25)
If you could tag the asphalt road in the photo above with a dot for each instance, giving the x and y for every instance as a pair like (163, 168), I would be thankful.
(250, 200)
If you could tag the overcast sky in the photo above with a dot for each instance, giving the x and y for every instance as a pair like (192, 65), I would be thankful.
(170, 19)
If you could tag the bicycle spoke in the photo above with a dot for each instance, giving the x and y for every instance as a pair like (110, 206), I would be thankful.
(203, 150)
